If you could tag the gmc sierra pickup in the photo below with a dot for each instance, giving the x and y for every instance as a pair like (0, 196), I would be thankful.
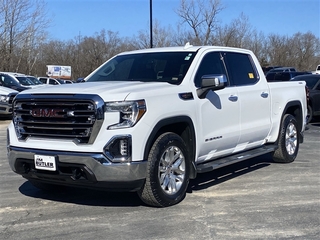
(150, 120)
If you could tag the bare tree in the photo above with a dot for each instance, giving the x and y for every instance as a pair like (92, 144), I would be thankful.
(162, 37)
(236, 34)
(23, 25)
(202, 17)
(305, 49)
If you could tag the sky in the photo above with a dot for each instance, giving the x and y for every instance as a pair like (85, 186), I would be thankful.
(72, 18)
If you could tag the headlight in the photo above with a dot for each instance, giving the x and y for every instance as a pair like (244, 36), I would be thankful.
(4, 98)
(130, 112)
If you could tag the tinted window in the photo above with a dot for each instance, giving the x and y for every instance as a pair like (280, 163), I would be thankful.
(271, 76)
(43, 80)
(53, 82)
(210, 64)
(8, 81)
(311, 81)
(25, 81)
(240, 69)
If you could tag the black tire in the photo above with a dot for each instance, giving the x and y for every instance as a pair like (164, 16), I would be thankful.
(167, 172)
(288, 141)
(309, 114)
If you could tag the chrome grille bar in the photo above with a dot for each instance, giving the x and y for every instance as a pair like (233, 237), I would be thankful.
(73, 117)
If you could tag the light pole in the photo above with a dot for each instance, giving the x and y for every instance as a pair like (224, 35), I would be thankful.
(151, 24)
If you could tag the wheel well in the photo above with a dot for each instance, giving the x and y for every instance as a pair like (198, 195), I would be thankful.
(295, 109)
(181, 126)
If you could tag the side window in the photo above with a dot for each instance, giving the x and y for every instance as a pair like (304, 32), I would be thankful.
(210, 64)
(6, 81)
(240, 69)
(43, 80)
(52, 82)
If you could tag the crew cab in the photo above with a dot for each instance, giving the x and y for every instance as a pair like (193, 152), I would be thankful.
(150, 120)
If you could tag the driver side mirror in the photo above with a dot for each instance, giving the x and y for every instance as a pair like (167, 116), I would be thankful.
(211, 82)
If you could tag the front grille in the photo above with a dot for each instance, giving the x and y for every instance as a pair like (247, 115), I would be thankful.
(76, 117)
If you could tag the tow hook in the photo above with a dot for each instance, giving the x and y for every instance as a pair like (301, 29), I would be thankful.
(76, 174)
(26, 167)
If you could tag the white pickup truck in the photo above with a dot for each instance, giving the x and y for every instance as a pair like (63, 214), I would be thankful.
(317, 71)
(150, 120)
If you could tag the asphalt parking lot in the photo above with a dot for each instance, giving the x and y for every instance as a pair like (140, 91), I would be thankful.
(255, 199)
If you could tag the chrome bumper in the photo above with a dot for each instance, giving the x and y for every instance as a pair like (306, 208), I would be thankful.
(82, 169)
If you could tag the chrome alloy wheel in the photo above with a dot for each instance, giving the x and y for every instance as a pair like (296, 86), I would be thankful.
(171, 170)
(291, 139)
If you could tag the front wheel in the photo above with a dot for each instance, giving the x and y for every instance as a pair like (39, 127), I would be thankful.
(288, 141)
(167, 172)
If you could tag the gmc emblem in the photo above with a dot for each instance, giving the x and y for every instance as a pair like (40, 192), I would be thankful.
(47, 112)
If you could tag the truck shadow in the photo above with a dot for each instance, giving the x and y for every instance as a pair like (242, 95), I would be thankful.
(209, 179)
(91, 197)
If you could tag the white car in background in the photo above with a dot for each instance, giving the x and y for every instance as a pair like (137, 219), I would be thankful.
(16, 81)
(54, 81)
(6, 97)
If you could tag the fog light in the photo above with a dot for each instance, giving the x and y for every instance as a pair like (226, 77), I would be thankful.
(124, 147)
(118, 149)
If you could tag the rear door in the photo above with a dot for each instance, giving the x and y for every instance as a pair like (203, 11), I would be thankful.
(254, 97)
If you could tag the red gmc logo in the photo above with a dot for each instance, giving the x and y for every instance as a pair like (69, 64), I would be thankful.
(47, 112)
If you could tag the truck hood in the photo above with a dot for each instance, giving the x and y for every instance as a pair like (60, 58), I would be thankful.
(111, 90)
(5, 90)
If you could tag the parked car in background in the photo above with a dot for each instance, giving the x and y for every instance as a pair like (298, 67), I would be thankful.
(6, 97)
(51, 81)
(9, 80)
(267, 69)
(283, 69)
(283, 76)
(79, 80)
(67, 81)
(317, 71)
(313, 84)
(35, 80)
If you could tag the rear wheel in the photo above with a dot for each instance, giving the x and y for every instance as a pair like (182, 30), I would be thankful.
(167, 172)
(309, 114)
(288, 142)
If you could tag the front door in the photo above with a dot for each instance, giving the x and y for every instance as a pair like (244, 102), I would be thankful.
(219, 113)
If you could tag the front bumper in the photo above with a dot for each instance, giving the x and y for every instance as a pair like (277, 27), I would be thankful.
(5, 109)
(79, 169)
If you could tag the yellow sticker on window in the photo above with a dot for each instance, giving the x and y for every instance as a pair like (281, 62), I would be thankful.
(251, 75)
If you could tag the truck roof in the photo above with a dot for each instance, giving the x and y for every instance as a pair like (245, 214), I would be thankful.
(186, 48)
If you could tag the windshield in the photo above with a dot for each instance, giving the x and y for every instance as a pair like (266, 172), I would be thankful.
(25, 81)
(35, 80)
(168, 67)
